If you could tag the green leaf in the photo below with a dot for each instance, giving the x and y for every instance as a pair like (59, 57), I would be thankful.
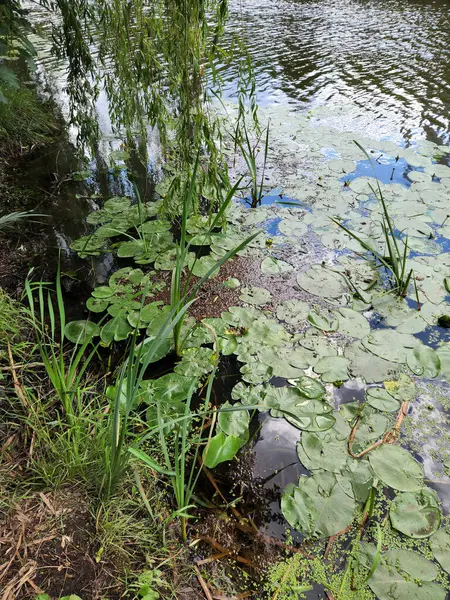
(322, 321)
(417, 515)
(424, 361)
(233, 422)
(322, 282)
(402, 389)
(396, 578)
(96, 305)
(222, 448)
(272, 266)
(440, 545)
(310, 388)
(326, 450)
(390, 345)
(380, 399)
(116, 329)
(255, 295)
(293, 312)
(78, 332)
(196, 362)
(173, 387)
(352, 323)
(332, 368)
(396, 468)
(318, 507)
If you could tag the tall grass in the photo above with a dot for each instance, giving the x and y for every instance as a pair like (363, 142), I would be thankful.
(65, 372)
(250, 153)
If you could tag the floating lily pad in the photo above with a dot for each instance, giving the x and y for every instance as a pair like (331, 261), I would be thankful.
(255, 295)
(310, 388)
(417, 515)
(273, 266)
(402, 389)
(318, 507)
(322, 282)
(380, 399)
(322, 321)
(440, 545)
(396, 468)
(332, 368)
(404, 575)
(352, 323)
(424, 361)
(292, 227)
(325, 450)
(293, 312)
(173, 387)
(390, 345)
(233, 422)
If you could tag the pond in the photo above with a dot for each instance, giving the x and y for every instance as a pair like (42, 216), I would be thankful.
(309, 308)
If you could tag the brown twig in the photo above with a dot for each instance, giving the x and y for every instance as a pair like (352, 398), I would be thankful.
(202, 582)
(389, 438)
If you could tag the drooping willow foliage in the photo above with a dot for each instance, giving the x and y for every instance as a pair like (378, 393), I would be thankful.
(155, 60)
(13, 41)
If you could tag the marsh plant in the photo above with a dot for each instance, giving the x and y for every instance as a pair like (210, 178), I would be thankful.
(395, 258)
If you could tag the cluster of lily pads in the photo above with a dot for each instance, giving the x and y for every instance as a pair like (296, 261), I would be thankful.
(340, 323)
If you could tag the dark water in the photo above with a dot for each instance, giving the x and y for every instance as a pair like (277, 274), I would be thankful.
(388, 61)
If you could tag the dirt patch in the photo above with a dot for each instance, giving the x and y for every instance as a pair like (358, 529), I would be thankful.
(46, 543)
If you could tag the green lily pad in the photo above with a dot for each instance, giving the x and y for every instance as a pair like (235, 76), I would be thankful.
(273, 266)
(399, 574)
(424, 361)
(325, 450)
(240, 316)
(233, 422)
(396, 468)
(293, 312)
(352, 323)
(380, 399)
(402, 389)
(332, 368)
(96, 305)
(390, 345)
(116, 329)
(440, 546)
(366, 365)
(196, 362)
(292, 227)
(321, 282)
(255, 295)
(310, 388)
(318, 507)
(417, 515)
(78, 332)
(322, 321)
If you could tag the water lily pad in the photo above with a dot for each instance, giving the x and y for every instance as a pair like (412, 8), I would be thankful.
(240, 316)
(417, 515)
(292, 227)
(399, 574)
(255, 295)
(424, 361)
(419, 177)
(318, 507)
(322, 282)
(440, 171)
(396, 468)
(332, 368)
(325, 450)
(321, 320)
(233, 422)
(390, 345)
(380, 399)
(256, 372)
(352, 323)
(273, 266)
(293, 312)
(440, 545)
(310, 388)
(196, 362)
(232, 283)
(78, 332)
(402, 389)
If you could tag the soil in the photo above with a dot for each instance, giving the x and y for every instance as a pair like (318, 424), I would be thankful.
(47, 544)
